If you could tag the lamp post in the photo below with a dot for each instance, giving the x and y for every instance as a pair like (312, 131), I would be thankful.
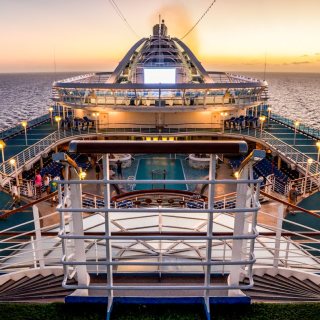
(309, 162)
(262, 120)
(2, 146)
(50, 111)
(82, 175)
(25, 124)
(318, 157)
(58, 119)
(269, 115)
(223, 114)
(96, 115)
(14, 164)
(296, 125)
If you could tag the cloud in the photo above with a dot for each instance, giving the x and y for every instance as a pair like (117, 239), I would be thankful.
(317, 54)
(304, 55)
(300, 62)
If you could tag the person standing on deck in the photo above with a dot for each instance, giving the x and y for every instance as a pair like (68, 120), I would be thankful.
(292, 198)
(15, 194)
(97, 170)
(38, 185)
(119, 168)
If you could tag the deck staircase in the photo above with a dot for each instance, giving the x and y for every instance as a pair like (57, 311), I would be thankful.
(283, 285)
(33, 285)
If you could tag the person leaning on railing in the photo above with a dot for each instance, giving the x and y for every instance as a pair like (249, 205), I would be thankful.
(292, 198)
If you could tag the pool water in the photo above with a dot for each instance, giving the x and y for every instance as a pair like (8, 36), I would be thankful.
(153, 169)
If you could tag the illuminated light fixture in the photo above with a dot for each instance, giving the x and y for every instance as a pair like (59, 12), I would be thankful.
(262, 118)
(2, 144)
(310, 161)
(155, 138)
(25, 124)
(12, 162)
(171, 138)
(50, 111)
(296, 124)
(237, 174)
(82, 175)
(164, 138)
(58, 119)
(148, 138)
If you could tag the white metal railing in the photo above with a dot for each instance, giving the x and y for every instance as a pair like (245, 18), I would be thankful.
(18, 128)
(156, 258)
(33, 152)
(291, 153)
(20, 251)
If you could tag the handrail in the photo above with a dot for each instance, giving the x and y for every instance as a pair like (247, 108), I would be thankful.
(18, 128)
(290, 205)
(26, 206)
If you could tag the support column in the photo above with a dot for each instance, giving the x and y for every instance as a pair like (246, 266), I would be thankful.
(240, 228)
(106, 197)
(278, 236)
(77, 229)
(207, 280)
(38, 242)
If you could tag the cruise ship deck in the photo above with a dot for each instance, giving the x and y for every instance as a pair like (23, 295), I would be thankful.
(209, 224)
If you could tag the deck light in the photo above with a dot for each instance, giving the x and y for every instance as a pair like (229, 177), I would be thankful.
(25, 124)
(2, 146)
(262, 120)
(318, 157)
(50, 111)
(82, 175)
(237, 174)
(309, 162)
(58, 119)
(14, 164)
(269, 115)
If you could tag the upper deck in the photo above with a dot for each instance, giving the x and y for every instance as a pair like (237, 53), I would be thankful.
(159, 71)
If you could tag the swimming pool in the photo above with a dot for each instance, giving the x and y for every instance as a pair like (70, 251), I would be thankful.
(173, 171)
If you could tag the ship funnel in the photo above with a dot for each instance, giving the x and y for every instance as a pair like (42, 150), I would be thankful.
(160, 29)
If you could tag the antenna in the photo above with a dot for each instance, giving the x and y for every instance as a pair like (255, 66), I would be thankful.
(265, 65)
(212, 3)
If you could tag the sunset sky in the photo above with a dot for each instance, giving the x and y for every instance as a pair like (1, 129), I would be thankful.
(88, 35)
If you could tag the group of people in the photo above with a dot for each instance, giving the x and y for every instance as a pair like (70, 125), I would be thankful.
(50, 185)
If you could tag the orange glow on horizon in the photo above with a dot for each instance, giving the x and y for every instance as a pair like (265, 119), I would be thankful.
(233, 36)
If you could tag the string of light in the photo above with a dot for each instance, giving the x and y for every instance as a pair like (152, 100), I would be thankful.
(212, 3)
(121, 15)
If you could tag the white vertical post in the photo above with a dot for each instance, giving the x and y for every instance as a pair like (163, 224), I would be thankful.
(38, 243)
(277, 242)
(106, 196)
(77, 226)
(207, 279)
(239, 229)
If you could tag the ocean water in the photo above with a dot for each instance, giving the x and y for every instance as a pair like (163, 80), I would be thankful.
(24, 96)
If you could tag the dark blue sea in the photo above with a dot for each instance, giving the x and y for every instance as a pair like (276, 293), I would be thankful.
(26, 95)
